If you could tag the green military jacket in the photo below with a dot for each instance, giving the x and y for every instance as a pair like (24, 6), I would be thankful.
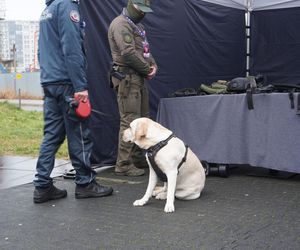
(126, 46)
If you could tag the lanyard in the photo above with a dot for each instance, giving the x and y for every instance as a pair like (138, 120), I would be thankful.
(142, 33)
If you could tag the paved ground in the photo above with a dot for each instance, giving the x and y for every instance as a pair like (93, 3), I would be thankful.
(29, 105)
(239, 212)
(15, 171)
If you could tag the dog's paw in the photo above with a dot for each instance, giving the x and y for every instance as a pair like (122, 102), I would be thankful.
(140, 202)
(161, 196)
(169, 208)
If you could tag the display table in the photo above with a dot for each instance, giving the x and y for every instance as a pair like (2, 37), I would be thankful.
(220, 129)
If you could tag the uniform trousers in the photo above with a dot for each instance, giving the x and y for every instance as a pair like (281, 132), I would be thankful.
(133, 102)
(61, 121)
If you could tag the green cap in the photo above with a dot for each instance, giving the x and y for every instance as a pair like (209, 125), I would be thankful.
(144, 5)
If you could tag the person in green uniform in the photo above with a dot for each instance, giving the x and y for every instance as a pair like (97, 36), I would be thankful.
(132, 64)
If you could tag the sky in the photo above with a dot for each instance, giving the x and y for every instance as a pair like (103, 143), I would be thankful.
(24, 9)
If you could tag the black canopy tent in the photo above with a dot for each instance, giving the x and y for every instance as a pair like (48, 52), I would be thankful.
(193, 42)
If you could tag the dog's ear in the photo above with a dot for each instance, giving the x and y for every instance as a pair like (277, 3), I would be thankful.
(140, 131)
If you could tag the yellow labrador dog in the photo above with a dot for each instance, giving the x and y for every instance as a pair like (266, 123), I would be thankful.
(185, 176)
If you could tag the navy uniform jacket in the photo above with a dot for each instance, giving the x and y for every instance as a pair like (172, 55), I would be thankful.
(61, 54)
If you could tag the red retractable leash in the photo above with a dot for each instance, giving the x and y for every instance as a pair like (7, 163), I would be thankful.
(82, 109)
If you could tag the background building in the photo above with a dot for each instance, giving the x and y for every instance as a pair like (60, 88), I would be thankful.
(2, 17)
(2, 9)
(19, 43)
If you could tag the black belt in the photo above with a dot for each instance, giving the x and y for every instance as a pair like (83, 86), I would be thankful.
(126, 70)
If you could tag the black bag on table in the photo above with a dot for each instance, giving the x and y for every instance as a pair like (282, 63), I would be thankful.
(240, 84)
(243, 85)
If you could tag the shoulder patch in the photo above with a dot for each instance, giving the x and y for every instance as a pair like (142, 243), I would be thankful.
(127, 38)
(45, 15)
(74, 16)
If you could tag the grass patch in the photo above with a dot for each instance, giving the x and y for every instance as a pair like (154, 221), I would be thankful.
(21, 132)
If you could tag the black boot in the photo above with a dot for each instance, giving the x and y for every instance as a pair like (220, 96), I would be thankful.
(93, 189)
(41, 195)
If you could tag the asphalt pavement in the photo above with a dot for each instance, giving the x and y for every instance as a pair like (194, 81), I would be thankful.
(248, 210)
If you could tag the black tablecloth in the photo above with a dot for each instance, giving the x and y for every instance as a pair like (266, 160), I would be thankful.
(221, 129)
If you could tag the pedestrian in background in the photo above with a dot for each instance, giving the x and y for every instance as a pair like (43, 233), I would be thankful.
(132, 64)
(63, 64)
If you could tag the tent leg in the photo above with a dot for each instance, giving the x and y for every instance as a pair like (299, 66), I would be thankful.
(247, 21)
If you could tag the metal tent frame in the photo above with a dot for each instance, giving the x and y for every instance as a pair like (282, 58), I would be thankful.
(254, 5)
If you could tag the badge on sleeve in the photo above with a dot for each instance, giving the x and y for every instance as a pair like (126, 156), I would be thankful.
(127, 38)
(74, 15)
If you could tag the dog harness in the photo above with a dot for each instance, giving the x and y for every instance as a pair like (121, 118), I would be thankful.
(152, 151)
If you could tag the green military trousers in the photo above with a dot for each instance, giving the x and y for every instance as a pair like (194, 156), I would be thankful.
(133, 102)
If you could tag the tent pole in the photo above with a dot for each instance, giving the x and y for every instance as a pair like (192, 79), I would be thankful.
(247, 19)
(249, 8)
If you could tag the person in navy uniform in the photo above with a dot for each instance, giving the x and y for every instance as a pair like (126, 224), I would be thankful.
(63, 64)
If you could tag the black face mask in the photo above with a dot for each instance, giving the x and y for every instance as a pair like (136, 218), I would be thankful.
(134, 14)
